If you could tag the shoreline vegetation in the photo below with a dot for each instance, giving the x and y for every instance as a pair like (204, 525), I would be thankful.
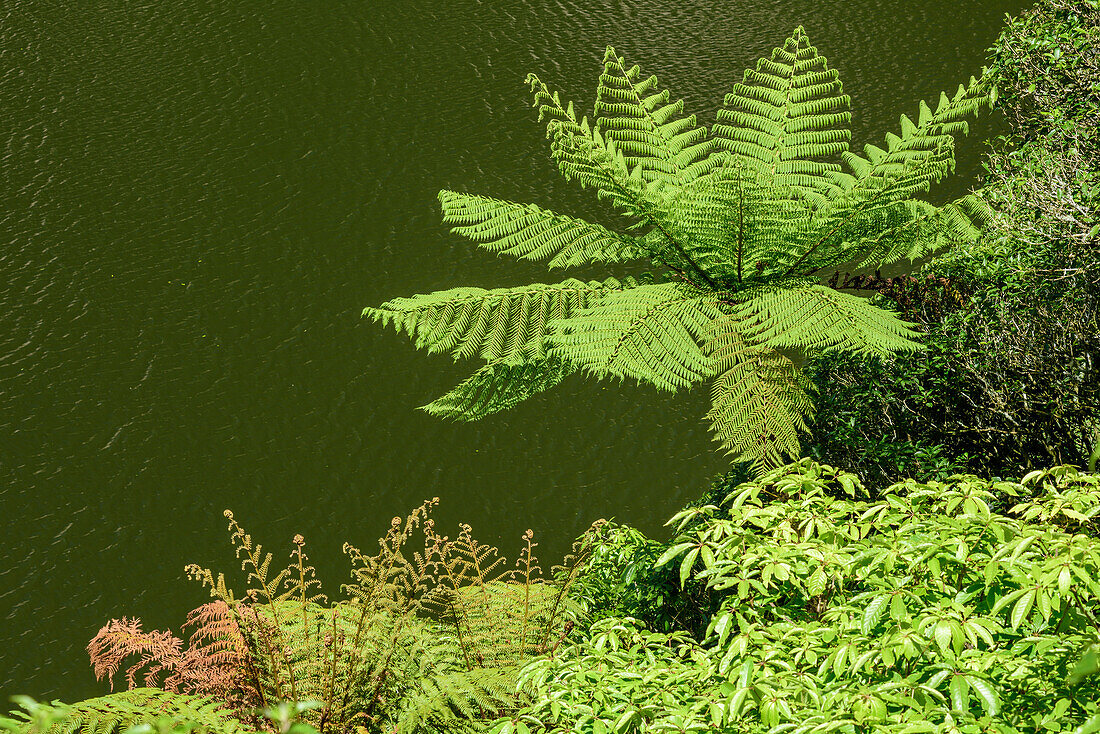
(933, 565)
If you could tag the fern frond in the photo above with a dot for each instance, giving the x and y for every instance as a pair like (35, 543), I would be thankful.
(459, 700)
(922, 154)
(816, 317)
(666, 148)
(650, 333)
(528, 232)
(583, 155)
(758, 402)
(497, 386)
(122, 638)
(916, 230)
(787, 115)
(739, 225)
(504, 324)
(114, 713)
(216, 662)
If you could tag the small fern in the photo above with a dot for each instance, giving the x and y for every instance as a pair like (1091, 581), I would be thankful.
(741, 220)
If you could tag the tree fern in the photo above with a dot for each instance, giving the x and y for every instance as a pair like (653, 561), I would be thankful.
(743, 221)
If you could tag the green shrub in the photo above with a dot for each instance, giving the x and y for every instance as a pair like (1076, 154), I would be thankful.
(959, 605)
(1010, 377)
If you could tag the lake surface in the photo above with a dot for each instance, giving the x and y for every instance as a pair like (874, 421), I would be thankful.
(200, 197)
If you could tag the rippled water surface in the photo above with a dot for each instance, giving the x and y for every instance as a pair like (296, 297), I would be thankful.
(198, 198)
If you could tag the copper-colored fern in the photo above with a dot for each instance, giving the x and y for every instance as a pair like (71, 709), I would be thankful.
(158, 652)
(214, 663)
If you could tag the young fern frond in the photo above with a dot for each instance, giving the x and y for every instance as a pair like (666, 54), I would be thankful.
(741, 225)
(923, 153)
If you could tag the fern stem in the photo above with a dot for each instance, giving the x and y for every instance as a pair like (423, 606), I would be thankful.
(331, 687)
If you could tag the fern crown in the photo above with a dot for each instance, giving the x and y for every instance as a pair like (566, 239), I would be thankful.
(739, 222)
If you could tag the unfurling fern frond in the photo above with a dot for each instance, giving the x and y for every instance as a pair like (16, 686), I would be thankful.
(498, 386)
(650, 333)
(817, 317)
(529, 233)
(741, 223)
(787, 115)
(759, 401)
(504, 324)
(115, 713)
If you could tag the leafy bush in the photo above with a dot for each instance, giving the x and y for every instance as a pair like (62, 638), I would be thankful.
(947, 606)
(1010, 377)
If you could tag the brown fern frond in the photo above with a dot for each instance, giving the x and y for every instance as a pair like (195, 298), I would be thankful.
(216, 662)
(122, 638)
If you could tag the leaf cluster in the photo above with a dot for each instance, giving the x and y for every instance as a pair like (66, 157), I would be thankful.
(953, 606)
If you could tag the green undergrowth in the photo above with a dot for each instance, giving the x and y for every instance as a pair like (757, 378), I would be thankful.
(960, 605)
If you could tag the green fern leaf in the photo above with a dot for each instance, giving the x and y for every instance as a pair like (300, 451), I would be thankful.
(925, 151)
(650, 333)
(117, 712)
(787, 115)
(497, 386)
(816, 317)
(529, 233)
(759, 400)
(656, 140)
(583, 155)
(739, 225)
(915, 230)
(504, 324)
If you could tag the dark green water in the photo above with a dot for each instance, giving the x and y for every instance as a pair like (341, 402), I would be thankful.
(198, 200)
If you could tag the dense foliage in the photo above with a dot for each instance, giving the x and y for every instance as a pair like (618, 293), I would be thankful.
(428, 637)
(955, 606)
(807, 600)
(740, 222)
(1010, 376)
